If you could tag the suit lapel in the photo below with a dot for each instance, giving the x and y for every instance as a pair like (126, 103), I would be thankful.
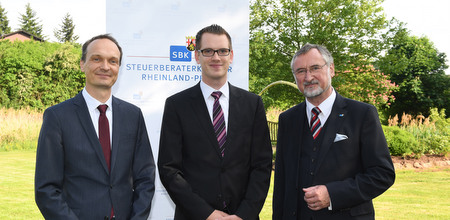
(117, 123)
(233, 117)
(334, 122)
(84, 117)
(201, 111)
(299, 123)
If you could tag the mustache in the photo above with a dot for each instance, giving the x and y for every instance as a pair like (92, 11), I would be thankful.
(312, 82)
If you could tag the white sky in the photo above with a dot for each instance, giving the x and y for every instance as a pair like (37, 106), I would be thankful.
(89, 16)
(429, 18)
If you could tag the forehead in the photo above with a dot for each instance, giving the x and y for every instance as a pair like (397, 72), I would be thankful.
(210, 40)
(103, 47)
(310, 58)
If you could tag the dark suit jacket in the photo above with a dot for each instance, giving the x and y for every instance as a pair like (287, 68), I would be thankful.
(72, 179)
(354, 170)
(196, 177)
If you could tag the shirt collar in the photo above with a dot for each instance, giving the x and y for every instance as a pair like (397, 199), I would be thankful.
(325, 106)
(93, 103)
(207, 90)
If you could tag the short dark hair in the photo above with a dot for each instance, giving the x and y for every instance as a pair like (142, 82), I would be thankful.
(307, 47)
(102, 36)
(213, 29)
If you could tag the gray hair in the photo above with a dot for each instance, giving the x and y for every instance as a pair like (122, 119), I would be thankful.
(307, 47)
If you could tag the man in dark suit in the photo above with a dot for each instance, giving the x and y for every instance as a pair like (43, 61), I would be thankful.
(82, 175)
(215, 162)
(332, 157)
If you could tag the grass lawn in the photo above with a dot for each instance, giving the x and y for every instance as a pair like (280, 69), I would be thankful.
(17, 185)
(415, 195)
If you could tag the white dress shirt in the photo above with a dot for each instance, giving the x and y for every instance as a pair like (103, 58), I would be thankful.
(223, 100)
(325, 107)
(92, 105)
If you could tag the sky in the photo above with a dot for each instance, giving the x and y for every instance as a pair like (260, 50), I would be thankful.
(423, 18)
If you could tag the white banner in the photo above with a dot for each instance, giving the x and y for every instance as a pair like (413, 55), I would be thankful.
(155, 37)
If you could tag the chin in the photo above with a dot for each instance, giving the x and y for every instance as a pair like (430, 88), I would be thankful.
(313, 93)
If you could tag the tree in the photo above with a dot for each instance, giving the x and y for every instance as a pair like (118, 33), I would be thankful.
(355, 32)
(417, 67)
(66, 31)
(4, 23)
(38, 74)
(29, 22)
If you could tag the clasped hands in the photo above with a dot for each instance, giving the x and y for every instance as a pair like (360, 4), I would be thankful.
(317, 197)
(219, 215)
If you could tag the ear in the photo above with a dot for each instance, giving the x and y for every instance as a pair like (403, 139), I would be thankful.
(196, 56)
(231, 56)
(82, 65)
(332, 70)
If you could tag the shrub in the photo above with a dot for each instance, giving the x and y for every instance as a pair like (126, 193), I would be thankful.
(400, 142)
(432, 134)
(38, 74)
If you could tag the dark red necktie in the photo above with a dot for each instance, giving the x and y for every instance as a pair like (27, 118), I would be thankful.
(103, 134)
(315, 122)
(219, 122)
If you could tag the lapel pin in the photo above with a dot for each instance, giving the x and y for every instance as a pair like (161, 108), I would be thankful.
(341, 115)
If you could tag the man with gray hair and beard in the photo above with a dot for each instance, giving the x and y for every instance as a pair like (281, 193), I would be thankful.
(332, 157)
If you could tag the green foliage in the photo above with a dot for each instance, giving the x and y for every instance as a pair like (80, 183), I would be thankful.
(66, 31)
(29, 22)
(4, 23)
(435, 138)
(417, 67)
(353, 30)
(401, 142)
(419, 135)
(367, 85)
(38, 74)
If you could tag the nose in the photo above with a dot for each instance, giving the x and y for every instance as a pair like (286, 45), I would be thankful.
(215, 55)
(308, 76)
(105, 65)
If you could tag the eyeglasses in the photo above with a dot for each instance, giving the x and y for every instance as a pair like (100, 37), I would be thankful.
(210, 52)
(312, 69)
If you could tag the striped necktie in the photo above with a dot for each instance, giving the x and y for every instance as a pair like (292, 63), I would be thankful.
(219, 122)
(315, 122)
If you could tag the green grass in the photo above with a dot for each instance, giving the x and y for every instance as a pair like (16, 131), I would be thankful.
(415, 195)
(17, 185)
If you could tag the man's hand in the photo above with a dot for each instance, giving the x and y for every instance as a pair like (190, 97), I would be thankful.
(317, 197)
(231, 217)
(217, 215)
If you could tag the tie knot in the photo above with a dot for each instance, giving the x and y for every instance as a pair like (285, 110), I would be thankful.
(316, 111)
(102, 108)
(216, 94)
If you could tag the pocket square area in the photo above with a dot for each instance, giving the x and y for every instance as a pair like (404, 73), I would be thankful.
(340, 137)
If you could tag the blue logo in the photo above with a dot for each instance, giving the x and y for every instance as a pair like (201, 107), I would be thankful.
(180, 54)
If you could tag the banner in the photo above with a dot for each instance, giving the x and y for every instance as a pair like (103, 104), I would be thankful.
(158, 58)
